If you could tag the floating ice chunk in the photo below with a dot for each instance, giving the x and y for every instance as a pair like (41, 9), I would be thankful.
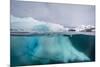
(28, 24)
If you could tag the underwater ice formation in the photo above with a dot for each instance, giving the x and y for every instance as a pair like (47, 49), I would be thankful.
(27, 50)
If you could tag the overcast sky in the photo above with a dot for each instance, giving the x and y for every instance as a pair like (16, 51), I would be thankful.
(65, 14)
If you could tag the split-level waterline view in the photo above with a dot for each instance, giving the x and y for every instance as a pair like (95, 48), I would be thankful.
(51, 33)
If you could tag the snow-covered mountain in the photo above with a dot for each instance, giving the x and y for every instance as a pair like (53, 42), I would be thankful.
(85, 28)
(82, 28)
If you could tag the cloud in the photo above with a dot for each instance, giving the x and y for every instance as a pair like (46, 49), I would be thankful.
(89, 2)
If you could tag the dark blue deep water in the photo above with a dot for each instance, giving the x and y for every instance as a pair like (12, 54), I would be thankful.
(51, 49)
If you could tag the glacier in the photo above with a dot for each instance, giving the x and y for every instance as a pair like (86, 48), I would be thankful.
(46, 49)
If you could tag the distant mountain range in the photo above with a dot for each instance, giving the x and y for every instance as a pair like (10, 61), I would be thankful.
(82, 28)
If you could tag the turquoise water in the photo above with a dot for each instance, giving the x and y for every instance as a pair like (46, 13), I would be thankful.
(51, 49)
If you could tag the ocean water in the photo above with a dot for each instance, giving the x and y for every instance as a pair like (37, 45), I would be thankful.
(51, 49)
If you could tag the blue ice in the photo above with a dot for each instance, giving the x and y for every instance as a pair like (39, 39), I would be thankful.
(26, 50)
(44, 50)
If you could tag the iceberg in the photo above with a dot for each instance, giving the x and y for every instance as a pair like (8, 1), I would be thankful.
(30, 50)
(28, 24)
(46, 49)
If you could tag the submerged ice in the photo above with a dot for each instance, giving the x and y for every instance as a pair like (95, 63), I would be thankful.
(26, 50)
(43, 50)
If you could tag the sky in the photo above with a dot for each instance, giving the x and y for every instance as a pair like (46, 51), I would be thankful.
(65, 14)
